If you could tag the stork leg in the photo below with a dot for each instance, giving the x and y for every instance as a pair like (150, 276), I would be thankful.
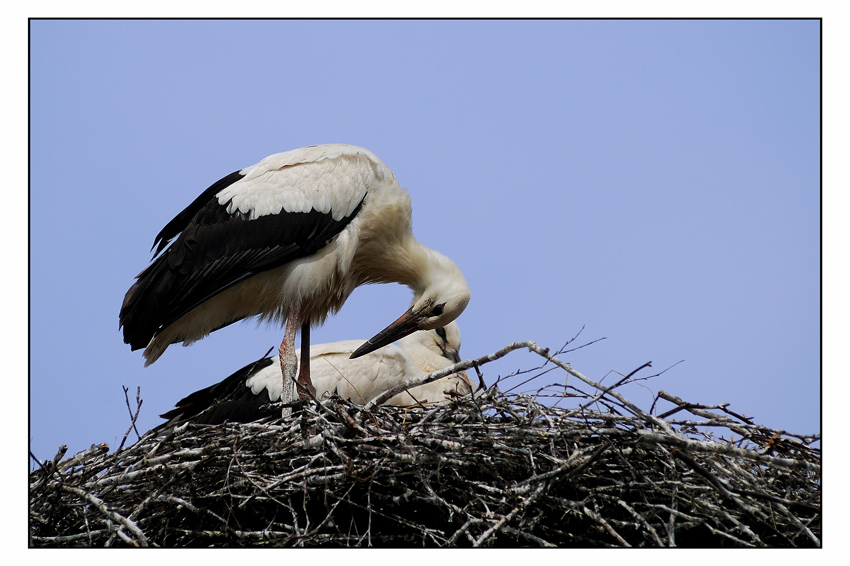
(288, 361)
(304, 374)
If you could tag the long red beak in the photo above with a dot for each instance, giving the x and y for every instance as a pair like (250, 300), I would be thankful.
(404, 325)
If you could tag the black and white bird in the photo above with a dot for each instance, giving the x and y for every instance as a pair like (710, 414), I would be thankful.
(288, 240)
(244, 395)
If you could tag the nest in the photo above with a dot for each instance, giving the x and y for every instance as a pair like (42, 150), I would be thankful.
(493, 470)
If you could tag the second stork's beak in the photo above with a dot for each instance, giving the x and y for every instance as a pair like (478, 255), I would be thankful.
(454, 357)
(407, 323)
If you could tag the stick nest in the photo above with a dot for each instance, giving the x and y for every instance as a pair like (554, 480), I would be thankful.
(496, 470)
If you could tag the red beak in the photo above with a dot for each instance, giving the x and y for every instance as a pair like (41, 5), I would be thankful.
(407, 323)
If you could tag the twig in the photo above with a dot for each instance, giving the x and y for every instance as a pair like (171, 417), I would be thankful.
(141, 539)
(133, 417)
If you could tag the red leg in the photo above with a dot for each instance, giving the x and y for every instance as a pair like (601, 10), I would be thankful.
(288, 361)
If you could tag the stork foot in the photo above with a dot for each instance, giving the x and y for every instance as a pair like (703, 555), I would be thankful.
(306, 390)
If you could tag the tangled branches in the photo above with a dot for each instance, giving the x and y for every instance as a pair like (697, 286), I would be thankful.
(492, 470)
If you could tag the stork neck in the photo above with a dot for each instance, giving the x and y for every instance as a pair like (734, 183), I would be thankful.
(417, 266)
(407, 262)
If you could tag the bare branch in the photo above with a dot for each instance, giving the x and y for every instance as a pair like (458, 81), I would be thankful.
(133, 417)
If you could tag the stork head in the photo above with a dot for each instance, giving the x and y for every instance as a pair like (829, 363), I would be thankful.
(440, 295)
(434, 349)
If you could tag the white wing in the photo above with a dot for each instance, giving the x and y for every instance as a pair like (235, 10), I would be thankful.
(331, 179)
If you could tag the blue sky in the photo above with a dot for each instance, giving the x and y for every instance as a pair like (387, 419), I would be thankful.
(656, 183)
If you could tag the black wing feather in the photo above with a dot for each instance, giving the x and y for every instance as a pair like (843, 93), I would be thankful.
(229, 400)
(214, 251)
(179, 222)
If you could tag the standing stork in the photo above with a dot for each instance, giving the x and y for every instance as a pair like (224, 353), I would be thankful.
(289, 239)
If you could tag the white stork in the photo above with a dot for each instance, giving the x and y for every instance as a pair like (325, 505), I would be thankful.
(289, 239)
(241, 396)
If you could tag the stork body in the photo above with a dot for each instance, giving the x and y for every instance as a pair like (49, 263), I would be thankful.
(241, 396)
(289, 239)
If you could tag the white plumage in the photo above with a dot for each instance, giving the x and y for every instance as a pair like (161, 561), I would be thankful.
(364, 378)
(289, 239)
(242, 396)
(331, 179)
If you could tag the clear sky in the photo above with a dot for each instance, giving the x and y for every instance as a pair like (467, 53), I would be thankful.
(656, 183)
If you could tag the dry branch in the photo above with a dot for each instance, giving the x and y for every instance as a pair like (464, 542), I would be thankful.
(485, 470)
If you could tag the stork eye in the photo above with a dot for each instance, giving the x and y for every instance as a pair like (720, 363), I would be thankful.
(441, 332)
(438, 310)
